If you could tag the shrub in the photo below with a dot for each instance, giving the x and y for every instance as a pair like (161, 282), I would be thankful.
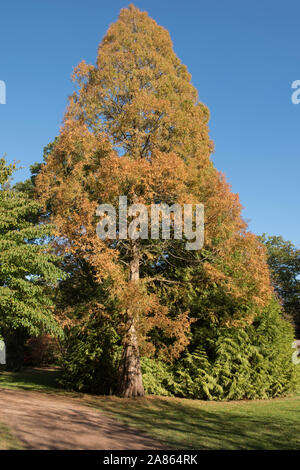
(236, 363)
(90, 358)
(222, 363)
(158, 377)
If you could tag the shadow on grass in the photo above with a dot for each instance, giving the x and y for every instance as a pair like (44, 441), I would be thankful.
(184, 425)
(31, 379)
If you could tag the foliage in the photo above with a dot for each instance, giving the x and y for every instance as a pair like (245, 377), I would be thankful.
(136, 127)
(90, 357)
(224, 363)
(41, 351)
(284, 262)
(235, 363)
(158, 377)
(29, 272)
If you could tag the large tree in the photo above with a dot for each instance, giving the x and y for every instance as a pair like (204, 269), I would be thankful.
(28, 271)
(136, 127)
(284, 263)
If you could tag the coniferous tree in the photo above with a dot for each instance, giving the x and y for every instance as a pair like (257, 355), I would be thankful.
(136, 127)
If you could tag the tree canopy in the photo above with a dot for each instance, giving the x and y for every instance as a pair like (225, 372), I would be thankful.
(284, 263)
(135, 127)
(28, 271)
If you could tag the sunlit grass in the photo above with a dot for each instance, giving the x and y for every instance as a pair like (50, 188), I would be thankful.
(194, 424)
(7, 440)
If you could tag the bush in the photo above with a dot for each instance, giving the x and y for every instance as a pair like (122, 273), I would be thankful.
(158, 377)
(236, 363)
(90, 358)
(222, 363)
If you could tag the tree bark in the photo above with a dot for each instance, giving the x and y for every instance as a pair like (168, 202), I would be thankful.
(130, 381)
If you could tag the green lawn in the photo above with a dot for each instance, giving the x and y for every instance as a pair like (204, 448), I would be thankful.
(7, 441)
(41, 380)
(193, 424)
(188, 424)
(36, 380)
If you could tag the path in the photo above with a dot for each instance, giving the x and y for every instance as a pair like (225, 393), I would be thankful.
(42, 421)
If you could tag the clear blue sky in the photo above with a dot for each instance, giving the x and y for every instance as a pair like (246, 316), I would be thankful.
(243, 57)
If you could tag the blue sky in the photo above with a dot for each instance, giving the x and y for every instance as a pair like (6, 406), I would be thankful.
(243, 57)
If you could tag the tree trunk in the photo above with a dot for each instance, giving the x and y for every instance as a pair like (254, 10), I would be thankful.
(130, 382)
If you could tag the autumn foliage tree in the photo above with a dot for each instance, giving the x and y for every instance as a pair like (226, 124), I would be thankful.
(135, 127)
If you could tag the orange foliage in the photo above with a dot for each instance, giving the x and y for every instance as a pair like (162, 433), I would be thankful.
(135, 127)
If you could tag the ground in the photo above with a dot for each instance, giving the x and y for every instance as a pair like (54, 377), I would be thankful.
(43, 421)
(37, 415)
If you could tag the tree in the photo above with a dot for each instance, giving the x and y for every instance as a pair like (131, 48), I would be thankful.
(28, 271)
(136, 127)
(284, 262)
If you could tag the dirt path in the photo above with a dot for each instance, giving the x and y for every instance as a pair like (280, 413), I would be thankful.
(42, 421)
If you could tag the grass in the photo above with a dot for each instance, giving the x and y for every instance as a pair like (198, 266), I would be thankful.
(183, 423)
(194, 424)
(39, 380)
(35, 380)
(7, 440)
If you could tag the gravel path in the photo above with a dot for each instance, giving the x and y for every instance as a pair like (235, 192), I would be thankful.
(42, 421)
